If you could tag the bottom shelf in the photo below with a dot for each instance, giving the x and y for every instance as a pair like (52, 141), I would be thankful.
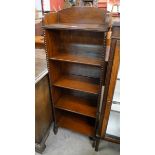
(75, 122)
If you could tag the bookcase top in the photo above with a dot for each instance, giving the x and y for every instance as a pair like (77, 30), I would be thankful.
(77, 18)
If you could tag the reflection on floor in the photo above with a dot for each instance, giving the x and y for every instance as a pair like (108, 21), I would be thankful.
(116, 97)
(114, 124)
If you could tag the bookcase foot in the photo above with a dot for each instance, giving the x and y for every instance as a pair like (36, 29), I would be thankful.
(94, 142)
(55, 129)
(40, 148)
(97, 144)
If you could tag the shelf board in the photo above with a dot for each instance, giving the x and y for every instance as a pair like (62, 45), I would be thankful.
(79, 83)
(77, 59)
(76, 105)
(83, 27)
(76, 123)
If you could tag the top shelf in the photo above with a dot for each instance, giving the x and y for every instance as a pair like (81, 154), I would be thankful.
(83, 27)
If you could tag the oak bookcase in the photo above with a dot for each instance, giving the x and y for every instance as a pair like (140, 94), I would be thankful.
(75, 44)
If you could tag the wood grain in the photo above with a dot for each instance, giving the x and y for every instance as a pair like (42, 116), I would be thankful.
(112, 138)
(77, 105)
(80, 27)
(76, 123)
(75, 47)
(43, 110)
(80, 15)
(50, 18)
(78, 83)
(77, 59)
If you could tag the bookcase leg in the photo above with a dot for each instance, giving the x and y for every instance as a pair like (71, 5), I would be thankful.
(55, 128)
(97, 143)
(40, 148)
(94, 143)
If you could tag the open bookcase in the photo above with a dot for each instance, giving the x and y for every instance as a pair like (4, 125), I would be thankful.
(75, 43)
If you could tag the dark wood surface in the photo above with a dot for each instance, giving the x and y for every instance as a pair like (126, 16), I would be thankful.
(90, 15)
(77, 105)
(43, 110)
(77, 59)
(50, 18)
(75, 40)
(75, 122)
(112, 138)
(43, 114)
(78, 83)
(75, 43)
(81, 27)
(82, 15)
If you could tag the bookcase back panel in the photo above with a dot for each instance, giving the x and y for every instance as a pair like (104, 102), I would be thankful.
(72, 115)
(66, 68)
(81, 37)
(85, 50)
(80, 43)
(74, 100)
(79, 69)
(87, 15)
(91, 98)
(75, 122)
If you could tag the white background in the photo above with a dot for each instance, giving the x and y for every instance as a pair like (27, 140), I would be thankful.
(17, 79)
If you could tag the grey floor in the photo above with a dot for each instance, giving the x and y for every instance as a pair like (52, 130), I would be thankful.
(67, 142)
(70, 143)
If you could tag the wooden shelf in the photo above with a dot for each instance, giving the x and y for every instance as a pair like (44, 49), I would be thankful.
(83, 27)
(76, 123)
(77, 59)
(77, 105)
(79, 83)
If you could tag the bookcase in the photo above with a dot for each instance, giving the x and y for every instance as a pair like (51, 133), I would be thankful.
(75, 44)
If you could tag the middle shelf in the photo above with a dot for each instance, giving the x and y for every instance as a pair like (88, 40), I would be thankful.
(79, 83)
(77, 59)
(77, 105)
